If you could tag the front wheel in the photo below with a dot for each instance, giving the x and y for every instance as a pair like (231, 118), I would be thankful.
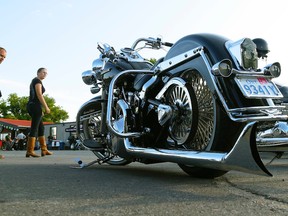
(89, 121)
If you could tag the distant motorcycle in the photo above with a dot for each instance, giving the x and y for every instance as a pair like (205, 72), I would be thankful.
(8, 145)
(19, 144)
(203, 106)
(273, 136)
(76, 145)
(15, 144)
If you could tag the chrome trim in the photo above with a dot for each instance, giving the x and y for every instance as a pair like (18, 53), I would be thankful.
(132, 56)
(265, 142)
(88, 116)
(174, 81)
(165, 113)
(273, 139)
(264, 113)
(186, 56)
(111, 100)
(234, 49)
(272, 144)
(260, 73)
(146, 86)
(245, 147)
(237, 114)
(280, 129)
(120, 125)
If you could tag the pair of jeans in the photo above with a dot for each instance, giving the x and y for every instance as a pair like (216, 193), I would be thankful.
(35, 111)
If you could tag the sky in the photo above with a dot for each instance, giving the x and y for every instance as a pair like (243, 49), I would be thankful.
(62, 36)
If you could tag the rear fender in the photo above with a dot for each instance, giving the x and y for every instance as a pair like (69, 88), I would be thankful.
(215, 51)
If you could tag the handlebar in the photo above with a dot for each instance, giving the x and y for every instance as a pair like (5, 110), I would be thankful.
(155, 43)
(167, 44)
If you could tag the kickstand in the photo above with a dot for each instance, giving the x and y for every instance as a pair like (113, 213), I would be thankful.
(83, 165)
(278, 155)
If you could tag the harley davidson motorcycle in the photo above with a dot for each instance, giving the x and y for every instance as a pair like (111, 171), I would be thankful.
(205, 105)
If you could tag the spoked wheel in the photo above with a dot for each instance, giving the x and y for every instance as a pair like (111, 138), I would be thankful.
(207, 133)
(206, 112)
(91, 131)
(184, 121)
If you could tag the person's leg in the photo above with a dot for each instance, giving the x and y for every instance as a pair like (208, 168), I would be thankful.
(30, 147)
(20, 144)
(35, 112)
(42, 140)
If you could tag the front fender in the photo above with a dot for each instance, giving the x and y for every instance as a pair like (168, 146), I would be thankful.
(88, 107)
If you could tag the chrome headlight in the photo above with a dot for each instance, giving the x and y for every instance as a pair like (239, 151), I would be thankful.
(97, 67)
(88, 77)
(97, 64)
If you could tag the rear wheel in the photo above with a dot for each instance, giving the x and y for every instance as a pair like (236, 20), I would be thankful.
(215, 131)
(211, 123)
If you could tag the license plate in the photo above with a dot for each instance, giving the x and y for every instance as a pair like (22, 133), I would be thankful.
(258, 87)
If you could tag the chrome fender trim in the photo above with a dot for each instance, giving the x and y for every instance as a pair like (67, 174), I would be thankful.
(243, 156)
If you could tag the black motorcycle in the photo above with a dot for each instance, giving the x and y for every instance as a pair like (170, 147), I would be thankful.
(200, 106)
(75, 144)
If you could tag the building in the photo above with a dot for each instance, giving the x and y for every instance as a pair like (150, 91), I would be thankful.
(13, 127)
(59, 131)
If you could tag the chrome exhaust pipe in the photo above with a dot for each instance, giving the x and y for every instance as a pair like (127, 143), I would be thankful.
(243, 157)
(272, 144)
(274, 139)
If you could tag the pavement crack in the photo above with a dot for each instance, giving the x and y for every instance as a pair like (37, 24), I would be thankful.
(256, 193)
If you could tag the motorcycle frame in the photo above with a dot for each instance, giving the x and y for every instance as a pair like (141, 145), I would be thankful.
(174, 62)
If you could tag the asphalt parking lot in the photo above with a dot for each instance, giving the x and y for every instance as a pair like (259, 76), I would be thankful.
(51, 186)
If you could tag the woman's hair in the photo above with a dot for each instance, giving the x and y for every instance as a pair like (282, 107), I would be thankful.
(40, 69)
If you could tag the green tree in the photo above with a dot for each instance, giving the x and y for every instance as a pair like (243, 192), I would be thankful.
(15, 108)
(4, 110)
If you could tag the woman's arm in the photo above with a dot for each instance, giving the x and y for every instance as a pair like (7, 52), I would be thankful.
(38, 88)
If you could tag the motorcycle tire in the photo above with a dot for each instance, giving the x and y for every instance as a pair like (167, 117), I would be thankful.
(91, 128)
(216, 132)
(213, 126)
